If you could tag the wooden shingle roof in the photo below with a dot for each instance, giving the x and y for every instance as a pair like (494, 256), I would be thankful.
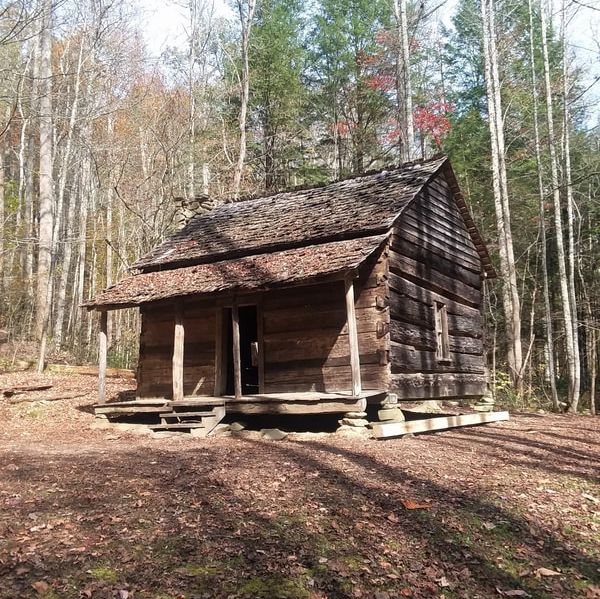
(288, 238)
(249, 273)
(363, 205)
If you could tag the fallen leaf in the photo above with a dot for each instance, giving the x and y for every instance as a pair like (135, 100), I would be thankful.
(393, 518)
(590, 498)
(513, 593)
(489, 525)
(546, 572)
(443, 582)
(41, 587)
(409, 504)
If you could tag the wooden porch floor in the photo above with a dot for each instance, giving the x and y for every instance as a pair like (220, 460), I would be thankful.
(311, 402)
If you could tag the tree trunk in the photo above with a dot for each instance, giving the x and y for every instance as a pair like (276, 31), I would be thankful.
(576, 382)
(45, 248)
(246, 14)
(542, 213)
(404, 86)
(562, 266)
(510, 292)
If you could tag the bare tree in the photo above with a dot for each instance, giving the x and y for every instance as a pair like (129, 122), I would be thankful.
(246, 10)
(46, 183)
(558, 224)
(542, 211)
(510, 290)
(403, 83)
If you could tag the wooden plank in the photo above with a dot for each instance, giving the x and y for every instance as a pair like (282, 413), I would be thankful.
(352, 336)
(323, 406)
(102, 355)
(428, 231)
(237, 368)
(439, 385)
(178, 352)
(422, 338)
(395, 429)
(444, 265)
(316, 345)
(129, 410)
(431, 278)
(439, 248)
(219, 352)
(408, 310)
(329, 379)
(420, 217)
(412, 290)
(405, 358)
(301, 319)
(260, 333)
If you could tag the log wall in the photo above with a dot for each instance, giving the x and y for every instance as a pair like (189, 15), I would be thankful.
(156, 350)
(433, 259)
(306, 338)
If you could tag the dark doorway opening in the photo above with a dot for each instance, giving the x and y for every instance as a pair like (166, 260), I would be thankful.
(248, 316)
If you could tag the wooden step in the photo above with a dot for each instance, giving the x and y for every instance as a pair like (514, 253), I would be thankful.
(205, 401)
(177, 425)
(186, 414)
(133, 402)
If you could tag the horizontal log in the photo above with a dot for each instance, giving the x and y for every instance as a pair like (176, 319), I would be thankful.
(305, 347)
(432, 279)
(303, 364)
(121, 373)
(420, 338)
(323, 406)
(442, 264)
(420, 216)
(411, 311)
(437, 386)
(325, 379)
(395, 429)
(434, 203)
(405, 287)
(20, 389)
(439, 248)
(405, 358)
(313, 295)
(287, 320)
(426, 230)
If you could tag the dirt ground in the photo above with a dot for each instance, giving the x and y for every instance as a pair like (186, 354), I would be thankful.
(510, 509)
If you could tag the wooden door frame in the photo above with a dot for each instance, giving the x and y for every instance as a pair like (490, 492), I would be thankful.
(221, 357)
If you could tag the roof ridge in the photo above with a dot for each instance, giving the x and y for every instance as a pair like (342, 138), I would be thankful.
(308, 186)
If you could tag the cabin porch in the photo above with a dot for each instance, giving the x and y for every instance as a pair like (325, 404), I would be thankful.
(203, 413)
(310, 402)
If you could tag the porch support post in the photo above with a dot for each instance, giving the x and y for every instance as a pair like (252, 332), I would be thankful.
(237, 369)
(178, 343)
(102, 349)
(219, 354)
(352, 336)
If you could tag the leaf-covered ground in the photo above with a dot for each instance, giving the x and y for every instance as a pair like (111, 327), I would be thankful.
(514, 510)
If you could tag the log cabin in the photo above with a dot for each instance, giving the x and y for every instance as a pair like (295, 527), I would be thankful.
(363, 291)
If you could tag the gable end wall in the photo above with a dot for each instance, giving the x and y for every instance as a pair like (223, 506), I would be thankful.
(432, 259)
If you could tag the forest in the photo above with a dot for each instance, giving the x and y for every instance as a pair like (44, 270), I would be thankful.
(100, 140)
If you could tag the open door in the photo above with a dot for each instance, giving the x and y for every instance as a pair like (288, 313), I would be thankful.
(249, 350)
